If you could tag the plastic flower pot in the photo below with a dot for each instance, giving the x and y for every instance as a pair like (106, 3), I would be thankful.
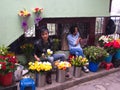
(93, 67)
(108, 59)
(117, 55)
(7, 79)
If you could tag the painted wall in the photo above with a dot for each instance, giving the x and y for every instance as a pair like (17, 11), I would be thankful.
(10, 22)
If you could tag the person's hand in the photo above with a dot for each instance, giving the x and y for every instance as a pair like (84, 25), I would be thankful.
(78, 41)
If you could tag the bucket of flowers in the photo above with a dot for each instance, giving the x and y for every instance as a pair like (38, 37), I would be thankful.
(61, 70)
(40, 69)
(77, 62)
(8, 64)
(95, 55)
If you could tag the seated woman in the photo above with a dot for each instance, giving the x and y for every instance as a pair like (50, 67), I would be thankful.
(74, 44)
(41, 45)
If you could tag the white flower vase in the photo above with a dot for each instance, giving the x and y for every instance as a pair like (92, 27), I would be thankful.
(60, 76)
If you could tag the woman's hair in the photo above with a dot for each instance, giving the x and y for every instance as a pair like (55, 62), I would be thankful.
(72, 29)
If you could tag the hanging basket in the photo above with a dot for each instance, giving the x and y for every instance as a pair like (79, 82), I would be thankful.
(77, 72)
(60, 76)
(6, 80)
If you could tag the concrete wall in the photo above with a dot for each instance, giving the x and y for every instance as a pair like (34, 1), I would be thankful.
(10, 23)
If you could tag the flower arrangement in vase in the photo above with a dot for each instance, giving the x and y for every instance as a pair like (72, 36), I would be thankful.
(24, 14)
(27, 50)
(39, 67)
(37, 12)
(79, 61)
(104, 39)
(62, 65)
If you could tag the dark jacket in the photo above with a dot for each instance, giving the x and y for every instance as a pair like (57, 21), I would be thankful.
(40, 47)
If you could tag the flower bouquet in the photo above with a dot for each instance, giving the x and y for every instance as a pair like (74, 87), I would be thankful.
(8, 64)
(27, 50)
(104, 39)
(37, 12)
(79, 61)
(62, 66)
(39, 67)
(24, 14)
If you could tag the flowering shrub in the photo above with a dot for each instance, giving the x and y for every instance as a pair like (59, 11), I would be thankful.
(62, 65)
(95, 54)
(79, 61)
(24, 13)
(39, 67)
(8, 61)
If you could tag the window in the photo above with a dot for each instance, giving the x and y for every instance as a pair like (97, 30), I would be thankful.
(52, 28)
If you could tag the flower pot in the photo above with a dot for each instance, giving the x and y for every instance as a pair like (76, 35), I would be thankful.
(40, 79)
(6, 80)
(93, 67)
(77, 72)
(117, 55)
(60, 76)
(71, 70)
(108, 59)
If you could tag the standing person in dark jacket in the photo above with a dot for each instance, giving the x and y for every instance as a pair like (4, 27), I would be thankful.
(41, 46)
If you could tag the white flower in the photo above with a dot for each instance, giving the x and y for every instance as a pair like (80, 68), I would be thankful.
(0, 66)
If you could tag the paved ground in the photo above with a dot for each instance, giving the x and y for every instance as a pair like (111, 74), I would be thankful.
(109, 82)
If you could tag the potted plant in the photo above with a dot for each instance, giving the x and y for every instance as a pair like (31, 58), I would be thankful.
(27, 50)
(61, 69)
(95, 55)
(77, 62)
(8, 64)
(39, 69)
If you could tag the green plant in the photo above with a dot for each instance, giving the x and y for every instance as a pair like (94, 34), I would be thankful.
(95, 54)
(8, 60)
(79, 61)
(27, 50)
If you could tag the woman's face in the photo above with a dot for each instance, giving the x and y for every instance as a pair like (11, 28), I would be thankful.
(45, 35)
(76, 31)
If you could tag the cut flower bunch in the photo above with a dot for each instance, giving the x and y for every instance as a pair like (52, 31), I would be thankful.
(39, 67)
(24, 13)
(8, 61)
(62, 65)
(38, 10)
(79, 61)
